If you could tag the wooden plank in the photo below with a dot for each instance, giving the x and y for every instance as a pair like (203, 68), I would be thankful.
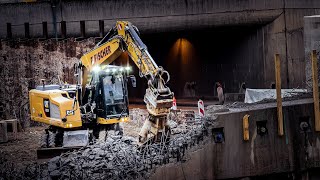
(10, 120)
(315, 89)
(278, 90)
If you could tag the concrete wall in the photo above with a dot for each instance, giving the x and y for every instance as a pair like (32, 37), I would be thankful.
(24, 64)
(285, 36)
(268, 156)
(312, 42)
(154, 16)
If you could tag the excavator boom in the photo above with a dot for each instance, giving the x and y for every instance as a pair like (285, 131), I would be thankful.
(158, 97)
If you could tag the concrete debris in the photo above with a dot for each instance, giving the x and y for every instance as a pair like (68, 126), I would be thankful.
(236, 105)
(213, 109)
(138, 115)
(120, 157)
(216, 109)
(257, 95)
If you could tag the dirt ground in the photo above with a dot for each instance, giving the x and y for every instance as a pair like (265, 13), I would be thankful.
(22, 151)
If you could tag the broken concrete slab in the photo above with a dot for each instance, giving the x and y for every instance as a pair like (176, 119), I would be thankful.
(257, 95)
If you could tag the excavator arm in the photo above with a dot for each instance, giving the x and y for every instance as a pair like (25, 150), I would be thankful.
(158, 97)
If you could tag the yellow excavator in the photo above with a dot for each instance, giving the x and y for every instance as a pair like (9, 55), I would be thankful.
(99, 100)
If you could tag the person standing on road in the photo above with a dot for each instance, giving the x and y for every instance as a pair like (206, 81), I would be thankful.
(220, 93)
(243, 88)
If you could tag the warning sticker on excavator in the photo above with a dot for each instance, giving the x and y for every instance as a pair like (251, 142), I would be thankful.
(119, 27)
(70, 112)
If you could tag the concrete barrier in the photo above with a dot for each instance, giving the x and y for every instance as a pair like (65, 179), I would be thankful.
(265, 153)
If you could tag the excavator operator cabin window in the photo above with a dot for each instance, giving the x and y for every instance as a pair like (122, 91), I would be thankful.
(113, 90)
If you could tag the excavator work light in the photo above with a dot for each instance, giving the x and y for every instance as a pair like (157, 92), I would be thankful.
(96, 68)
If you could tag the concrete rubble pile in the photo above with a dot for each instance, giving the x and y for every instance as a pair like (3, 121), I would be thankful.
(120, 157)
(212, 110)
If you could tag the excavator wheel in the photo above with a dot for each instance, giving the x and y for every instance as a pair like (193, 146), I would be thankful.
(47, 139)
(51, 139)
(43, 140)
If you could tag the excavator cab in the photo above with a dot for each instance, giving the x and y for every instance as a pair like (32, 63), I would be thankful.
(113, 95)
(107, 94)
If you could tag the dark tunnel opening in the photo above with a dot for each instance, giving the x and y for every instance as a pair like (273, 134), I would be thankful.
(230, 55)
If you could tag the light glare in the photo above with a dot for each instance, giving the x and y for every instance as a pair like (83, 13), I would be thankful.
(96, 68)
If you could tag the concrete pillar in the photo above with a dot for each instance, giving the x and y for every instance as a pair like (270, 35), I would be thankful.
(101, 28)
(63, 30)
(9, 31)
(26, 30)
(45, 30)
(83, 29)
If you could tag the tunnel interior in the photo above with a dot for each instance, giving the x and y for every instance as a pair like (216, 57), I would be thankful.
(229, 55)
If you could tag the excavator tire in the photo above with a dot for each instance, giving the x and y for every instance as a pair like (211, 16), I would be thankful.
(51, 139)
(43, 140)
(47, 139)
